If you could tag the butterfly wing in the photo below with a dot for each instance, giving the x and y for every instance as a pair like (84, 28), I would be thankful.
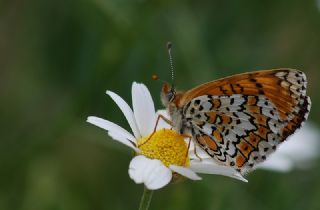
(240, 120)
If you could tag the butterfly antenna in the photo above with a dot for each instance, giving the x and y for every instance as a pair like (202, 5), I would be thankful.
(169, 47)
(155, 78)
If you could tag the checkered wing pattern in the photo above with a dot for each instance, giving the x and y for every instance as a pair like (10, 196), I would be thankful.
(240, 120)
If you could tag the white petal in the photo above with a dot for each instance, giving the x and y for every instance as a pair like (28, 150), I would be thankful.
(185, 172)
(152, 173)
(143, 108)
(275, 163)
(210, 168)
(127, 112)
(123, 140)
(115, 131)
(162, 123)
(163, 112)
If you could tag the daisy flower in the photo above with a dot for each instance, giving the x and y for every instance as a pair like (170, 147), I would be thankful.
(159, 155)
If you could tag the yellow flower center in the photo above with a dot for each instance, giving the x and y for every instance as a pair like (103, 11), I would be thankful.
(167, 146)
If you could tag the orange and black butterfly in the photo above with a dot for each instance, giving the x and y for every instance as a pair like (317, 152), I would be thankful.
(241, 119)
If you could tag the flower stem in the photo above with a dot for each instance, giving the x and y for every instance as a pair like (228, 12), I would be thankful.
(145, 199)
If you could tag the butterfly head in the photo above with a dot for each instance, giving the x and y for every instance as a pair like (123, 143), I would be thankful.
(168, 94)
(170, 97)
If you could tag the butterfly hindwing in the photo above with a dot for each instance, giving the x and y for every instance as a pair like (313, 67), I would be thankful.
(241, 127)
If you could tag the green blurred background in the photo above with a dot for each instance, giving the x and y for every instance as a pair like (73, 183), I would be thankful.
(57, 58)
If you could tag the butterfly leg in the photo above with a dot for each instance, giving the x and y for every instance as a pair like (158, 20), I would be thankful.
(190, 137)
(155, 127)
(189, 143)
(195, 152)
(160, 116)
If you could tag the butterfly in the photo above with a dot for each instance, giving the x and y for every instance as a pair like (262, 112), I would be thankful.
(241, 119)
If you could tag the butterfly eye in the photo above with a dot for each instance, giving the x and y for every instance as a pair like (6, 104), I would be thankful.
(170, 96)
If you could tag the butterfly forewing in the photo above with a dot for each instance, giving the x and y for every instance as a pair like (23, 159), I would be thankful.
(241, 119)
